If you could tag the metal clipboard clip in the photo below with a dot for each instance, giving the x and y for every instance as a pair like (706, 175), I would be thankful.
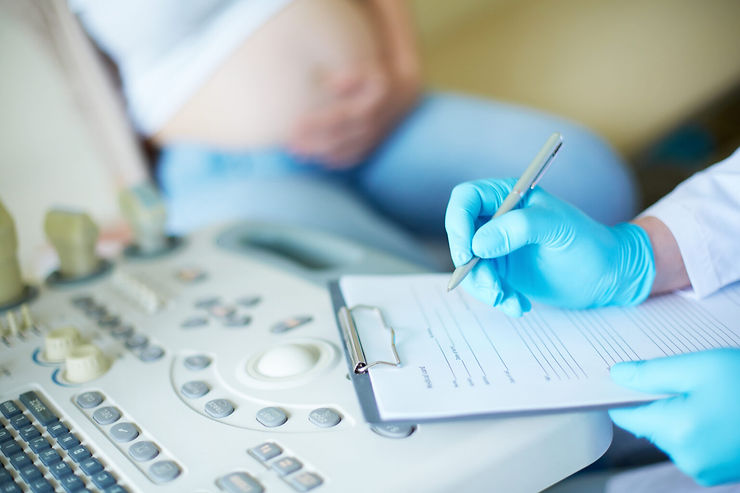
(352, 339)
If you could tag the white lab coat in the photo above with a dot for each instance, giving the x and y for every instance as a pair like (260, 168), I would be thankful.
(703, 213)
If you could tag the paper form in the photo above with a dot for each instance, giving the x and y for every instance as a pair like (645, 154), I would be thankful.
(461, 358)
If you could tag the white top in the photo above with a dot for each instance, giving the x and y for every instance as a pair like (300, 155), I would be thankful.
(703, 213)
(166, 49)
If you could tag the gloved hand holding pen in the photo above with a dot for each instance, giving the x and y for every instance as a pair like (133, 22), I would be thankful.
(545, 250)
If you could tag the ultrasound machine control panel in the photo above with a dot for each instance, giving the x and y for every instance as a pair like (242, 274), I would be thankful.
(213, 363)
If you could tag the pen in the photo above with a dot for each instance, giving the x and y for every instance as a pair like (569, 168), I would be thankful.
(528, 181)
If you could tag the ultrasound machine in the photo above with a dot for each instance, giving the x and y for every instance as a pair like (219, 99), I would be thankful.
(213, 363)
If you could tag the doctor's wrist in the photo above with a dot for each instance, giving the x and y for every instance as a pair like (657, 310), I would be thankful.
(670, 270)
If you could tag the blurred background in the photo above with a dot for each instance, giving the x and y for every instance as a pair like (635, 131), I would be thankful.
(660, 79)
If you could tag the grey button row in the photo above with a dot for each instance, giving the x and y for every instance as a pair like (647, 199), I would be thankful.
(138, 343)
(285, 467)
(123, 432)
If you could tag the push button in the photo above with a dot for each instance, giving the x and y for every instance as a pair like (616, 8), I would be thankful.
(324, 417)
(164, 471)
(305, 481)
(143, 451)
(271, 417)
(195, 389)
(219, 408)
(265, 451)
(286, 465)
(89, 400)
(239, 482)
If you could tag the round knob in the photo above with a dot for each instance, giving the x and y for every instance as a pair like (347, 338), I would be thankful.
(11, 285)
(73, 235)
(287, 360)
(59, 342)
(85, 363)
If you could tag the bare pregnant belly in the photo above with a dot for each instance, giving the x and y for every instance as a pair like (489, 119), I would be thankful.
(255, 97)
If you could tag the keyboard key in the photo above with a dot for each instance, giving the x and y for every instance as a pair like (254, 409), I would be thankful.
(10, 448)
(286, 465)
(91, 466)
(29, 432)
(39, 444)
(271, 416)
(164, 470)
(57, 429)
(106, 415)
(30, 473)
(67, 441)
(41, 485)
(20, 460)
(79, 453)
(9, 409)
(143, 451)
(88, 400)
(124, 432)
(19, 421)
(5, 435)
(10, 488)
(60, 470)
(239, 482)
(103, 479)
(49, 457)
(71, 483)
(265, 451)
(38, 408)
(305, 481)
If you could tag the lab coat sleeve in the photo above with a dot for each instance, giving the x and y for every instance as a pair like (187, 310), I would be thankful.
(703, 213)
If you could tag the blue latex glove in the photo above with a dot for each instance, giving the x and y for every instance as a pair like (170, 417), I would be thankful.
(699, 428)
(546, 250)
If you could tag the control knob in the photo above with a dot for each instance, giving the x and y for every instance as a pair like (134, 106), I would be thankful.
(11, 285)
(74, 236)
(58, 343)
(84, 363)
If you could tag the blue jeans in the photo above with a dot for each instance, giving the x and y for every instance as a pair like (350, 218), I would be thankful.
(399, 194)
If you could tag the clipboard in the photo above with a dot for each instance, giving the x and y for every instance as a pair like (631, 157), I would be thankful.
(460, 359)
(358, 362)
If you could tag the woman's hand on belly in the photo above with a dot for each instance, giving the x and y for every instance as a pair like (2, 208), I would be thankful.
(367, 100)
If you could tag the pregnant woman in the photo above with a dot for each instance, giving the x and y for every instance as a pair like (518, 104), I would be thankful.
(312, 112)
